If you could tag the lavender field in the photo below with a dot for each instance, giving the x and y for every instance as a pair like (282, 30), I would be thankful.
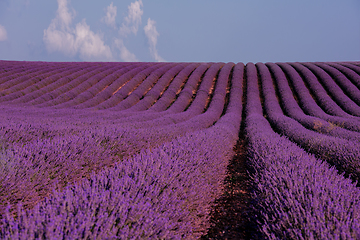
(94, 150)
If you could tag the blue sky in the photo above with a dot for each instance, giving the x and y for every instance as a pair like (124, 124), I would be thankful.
(180, 31)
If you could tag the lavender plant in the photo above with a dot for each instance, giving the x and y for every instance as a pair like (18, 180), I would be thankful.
(165, 192)
(312, 107)
(134, 96)
(140, 150)
(318, 91)
(340, 152)
(293, 110)
(342, 81)
(334, 90)
(94, 89)
(296, 195)
(351, 74)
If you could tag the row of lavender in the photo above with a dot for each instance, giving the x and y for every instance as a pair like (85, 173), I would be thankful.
(297, 195)
(63, 132)
(155, 183)
(290, 131)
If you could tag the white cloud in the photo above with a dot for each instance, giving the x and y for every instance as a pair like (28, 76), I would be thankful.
(130, 25)
(3, 33)
(64, 16)
(77, 39)
(133, 19)
(152, 34)
(111, 12)
(90, 45)
(61, 37)
(125, 54)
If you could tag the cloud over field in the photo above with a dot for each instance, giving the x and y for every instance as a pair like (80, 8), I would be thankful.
(152, 34)
(79, 40)
(3, 33)
(110, 16)
(133, 19)
(62, 37)
(125, 54)
(130, 25)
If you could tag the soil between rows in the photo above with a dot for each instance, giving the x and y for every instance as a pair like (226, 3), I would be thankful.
(230, 217)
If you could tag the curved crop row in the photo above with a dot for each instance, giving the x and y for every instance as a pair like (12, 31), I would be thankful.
(293, 110)
(340, 152)
(309, 104)
(156, 91)
(50, 87)
(13, 82)
(42, 81)
(318, 91)
(297, 196)
(82, 87)
(114, 86)
(62, 86)
(54, 159)
(94, 89)
(134, 95)
(13, 73)
(343, 82)
(351, 74)
(174, 88)
(334, 90)
(76, 86)
(132, 82)
(185, 204)
(140, 150)
(196, 108)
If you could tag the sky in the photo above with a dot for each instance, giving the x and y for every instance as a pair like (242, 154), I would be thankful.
(180, 31)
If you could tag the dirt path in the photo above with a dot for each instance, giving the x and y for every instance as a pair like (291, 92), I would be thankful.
(230, 216)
